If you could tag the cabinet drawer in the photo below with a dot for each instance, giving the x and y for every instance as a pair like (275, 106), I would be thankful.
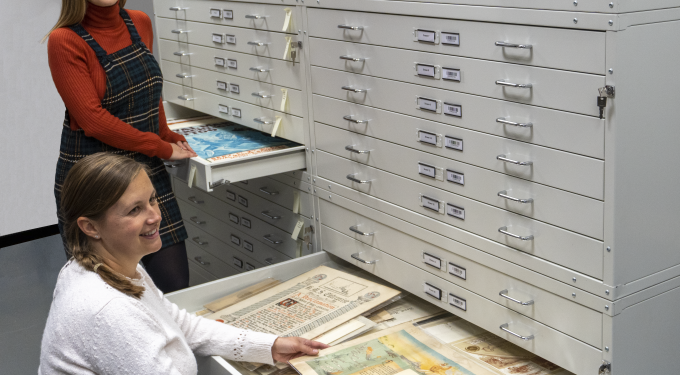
(277, 192)
(198, 275)
(178, 94)
(568, 91)
(273, 71)
(208, 262)
(577, 50)
(230, 252)
(254, 92)
(271, 17)
(562, 314)
(555, 206)
(554, 244)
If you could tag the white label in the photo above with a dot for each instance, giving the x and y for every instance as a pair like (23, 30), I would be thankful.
(236, 112)
(234, 88)
(221, 85)
(215, 13)
(426, 137)
(454, 143)
(453, 110)
(220, 61)
(236, 240)
(433, 291)
(233, 218)
(432, 260)
(452, 39)
(231, 39)
(455, 177)
(223, 109)
(427, 104)
(228, 14)
(232, 63)
(249, 267)
(245, 222)
(248, 246)
(427, 170)
(425, 70)
(430, 203)
(425, 36)
(451, 74)
(455, 211)
(231, 196)
(457, 302)
(458, 271)
(238, 262)
(242, 201)
(218, 38)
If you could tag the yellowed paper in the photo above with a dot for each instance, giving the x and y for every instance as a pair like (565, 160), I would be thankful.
(380, 316)
(286, 51)
(407, 372)
(284, 100)
(276, 126)
(296, 202)
(192, 176)
(241, 295)
(286, 21)
(298, 251)
(368, 325)
(340, 331)
(296, 230)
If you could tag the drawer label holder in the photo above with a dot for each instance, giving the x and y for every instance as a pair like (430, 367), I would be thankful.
(238, 262)
(455, 211)
(231, 196)
(458, 302)
(451, 74)
(248, 246)
(218, 38)
(220, 62)
(427, 36)
(432, 204)
(455, 177)
(243, 201)
(234, 88)
(230, 39)
(455, 110)
(215, 13)
(432, 291)
(221, 85)
(457, 271)
(430, 138)
(430, 105)
(451, 39)
(221, 108)
(236, 112)
(432, 261)
(245, 222)
(249, 267)
(425, 70)
(231, 63)
(236, 240)
(227, 14)
(233, 218)
(453, 143)
(431, 171)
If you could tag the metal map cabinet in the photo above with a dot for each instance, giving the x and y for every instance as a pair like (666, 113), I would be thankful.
(463, 144)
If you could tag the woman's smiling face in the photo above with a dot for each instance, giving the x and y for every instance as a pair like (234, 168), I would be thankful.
(103, 3)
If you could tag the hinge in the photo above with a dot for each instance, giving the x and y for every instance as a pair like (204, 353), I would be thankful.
(605, 369)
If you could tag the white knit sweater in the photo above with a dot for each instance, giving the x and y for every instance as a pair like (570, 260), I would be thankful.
(95, 329)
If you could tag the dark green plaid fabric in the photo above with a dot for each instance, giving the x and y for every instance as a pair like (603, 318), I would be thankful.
(133, 90)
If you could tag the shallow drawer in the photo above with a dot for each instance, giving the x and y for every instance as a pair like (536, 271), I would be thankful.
(254, 42)
(230, 252)
(555, 206)
(178, 94)
(273, 71)
(299, 179)
(557, 245)
(254, 92)
(208, 262)
(548, 308)
(249, 15)
(576, 50)
(197, 275)
(569, 91)
(277, 192)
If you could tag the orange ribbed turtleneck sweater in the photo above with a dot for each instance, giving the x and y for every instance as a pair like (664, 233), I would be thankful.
(81, 81)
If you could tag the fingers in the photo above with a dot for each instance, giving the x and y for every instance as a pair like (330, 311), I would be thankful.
(310, 347)
(318, 345)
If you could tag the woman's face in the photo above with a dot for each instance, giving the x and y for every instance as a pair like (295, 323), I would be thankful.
(130, 227)
(103, 3)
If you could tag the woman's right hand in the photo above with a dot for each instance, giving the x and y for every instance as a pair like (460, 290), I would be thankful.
(179, 153)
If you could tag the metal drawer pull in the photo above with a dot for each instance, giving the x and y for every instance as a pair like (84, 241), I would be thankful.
(512, 45)
(350, 119)
(198, 259)
(354, 229)
(504, 327)
(356, 256)
(267, 215)
(354, 179)
(269, 261)
(503, 158)
(183, 75)
(259, 120)
(171, 165)
(264, 190)
(350, 58)
(255, 16)
(177, 8)
(181, 53)
(194, 200)
(352, 89)
(185, 97)
(502, 120)
(259, 70)
(504, 194)
(259, 44)
(504, 230)
(194, 219)
(517, 85)
(275, 242)
(348, 27)
(354, 150)
(198, 241)
(180, 31)
(504, 294)
(261, 95)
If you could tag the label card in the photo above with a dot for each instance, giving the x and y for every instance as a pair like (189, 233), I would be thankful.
(236, 240)
(427, 137)
(428, 36)
(220, 61)
(232, 63)
(432, 260)
(427, 104)
(458, 271)
(455, 211)
(231, 196)
(236, 112)
(457, 302)
(221, 108)
(245, 222)
(231, 39)
(235, 88)
(218, 38)
(453, 143)
(432, 291)
(455, 177)
(233, 218)
(249, 267)
(427, 170)
(430, 203)
(238, 262)
(425, 70)
(248, 246)
(452, 39)
(227, 14)
(243, 201)
(451, 74)
(453, 109)
(215, 13)
(221, 85)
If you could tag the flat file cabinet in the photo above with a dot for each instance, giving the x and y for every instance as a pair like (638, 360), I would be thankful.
(462, 144)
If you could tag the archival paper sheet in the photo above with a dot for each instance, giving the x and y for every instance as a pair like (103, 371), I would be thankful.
(307, 305)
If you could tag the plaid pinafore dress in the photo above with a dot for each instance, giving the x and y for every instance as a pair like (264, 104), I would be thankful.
(133, 91)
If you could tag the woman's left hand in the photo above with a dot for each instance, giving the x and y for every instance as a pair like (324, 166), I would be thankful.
(287, 348)
(185, 146)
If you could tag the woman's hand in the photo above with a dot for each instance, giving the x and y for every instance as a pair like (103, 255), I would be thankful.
(179, 153)
(287, 348)
(185, 145)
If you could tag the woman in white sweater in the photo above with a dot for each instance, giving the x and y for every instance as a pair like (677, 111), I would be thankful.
(107, 316)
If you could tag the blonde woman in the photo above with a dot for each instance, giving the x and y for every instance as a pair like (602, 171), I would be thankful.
(107, 316)
(101, 64)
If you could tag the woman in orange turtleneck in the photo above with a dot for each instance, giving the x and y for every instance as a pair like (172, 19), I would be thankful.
(100, 59)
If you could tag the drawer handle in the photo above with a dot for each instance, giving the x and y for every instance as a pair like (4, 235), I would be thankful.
(504, 194)
(181, 53)
(352, 89)
(267, 237)
(259, 120)
(348, 27)
(350, 58)
(512, 45)
(171, 165)
(264, 190)
(183, 75)
(185, 97)
(194, 219)
(267, 215)
(199, 260)
(176, 9)
(504, 327)
(358, 181)
(269, 261)
(504, 294)
(258, 44)
(350, 119)
(198, 241)
(356, 256)
(354, 229)
(261, 95)
(194, 200)
(502, 120)
(259, 69)
(517, 85)
(503, 158)
(354, 150)
(504, 230)
(180, 31)
(255, 16)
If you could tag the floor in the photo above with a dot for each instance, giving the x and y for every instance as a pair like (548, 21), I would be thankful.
(28, 273)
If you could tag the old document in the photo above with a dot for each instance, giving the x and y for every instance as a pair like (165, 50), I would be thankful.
(307, 305)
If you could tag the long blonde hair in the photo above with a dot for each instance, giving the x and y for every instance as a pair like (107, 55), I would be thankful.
(91, 187)
(72, 13)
